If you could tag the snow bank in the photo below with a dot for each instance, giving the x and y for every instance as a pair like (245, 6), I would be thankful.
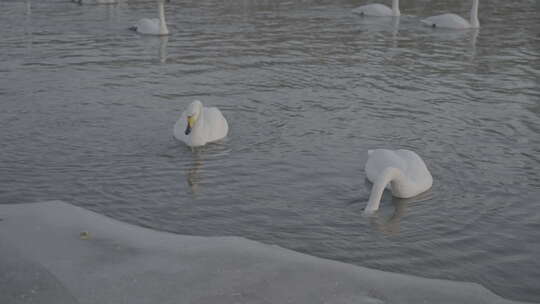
(44, 259)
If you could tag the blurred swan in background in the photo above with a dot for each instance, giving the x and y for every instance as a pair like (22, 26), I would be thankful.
(153, 26)
(403, 172)
(379, 10)
(453, 21)
(95, 1)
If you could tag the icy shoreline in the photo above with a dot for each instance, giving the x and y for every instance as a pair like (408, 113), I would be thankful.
(44, 259)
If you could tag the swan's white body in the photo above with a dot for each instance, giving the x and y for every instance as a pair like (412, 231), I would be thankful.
(379, 10)
(401, 171)
(95, 1)
(153, 26)
(199, 125)
(453, 21)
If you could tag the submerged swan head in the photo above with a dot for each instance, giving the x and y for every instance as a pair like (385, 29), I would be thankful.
(390, 175)
(193, 113)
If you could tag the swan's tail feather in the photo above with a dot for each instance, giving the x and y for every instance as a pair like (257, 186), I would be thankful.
(369, 152)
(132, 28)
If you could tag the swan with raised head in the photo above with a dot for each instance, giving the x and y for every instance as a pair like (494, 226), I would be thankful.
(453, 21)
(199, 125)
(403, 172)
(153, 26)
(379, 10)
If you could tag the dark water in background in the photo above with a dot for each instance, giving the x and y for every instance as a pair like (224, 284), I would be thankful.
(87, 110)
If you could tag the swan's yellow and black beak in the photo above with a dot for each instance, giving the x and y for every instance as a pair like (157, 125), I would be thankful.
(190, 123)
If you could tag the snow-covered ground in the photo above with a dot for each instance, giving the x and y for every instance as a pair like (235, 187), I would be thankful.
(44, 258)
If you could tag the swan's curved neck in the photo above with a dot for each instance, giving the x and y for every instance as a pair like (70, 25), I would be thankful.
(198, 133)
(389, 175)
(199, 123)
(395, 8)
(162, 24)
(474, 15)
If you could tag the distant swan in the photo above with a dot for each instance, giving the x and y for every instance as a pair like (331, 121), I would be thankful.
(379, 10)
(153, 26)
(453, 21)
(199, 125)
(95, 1)
(401, 171)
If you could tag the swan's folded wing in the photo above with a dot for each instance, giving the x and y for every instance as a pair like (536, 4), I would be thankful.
(148, 26)
(216, 123)
(451, 21)
(375, 9)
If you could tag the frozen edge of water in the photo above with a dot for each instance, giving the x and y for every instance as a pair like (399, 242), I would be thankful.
(43, 258)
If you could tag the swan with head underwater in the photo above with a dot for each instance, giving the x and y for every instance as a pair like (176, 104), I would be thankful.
(403, 172)
(199, 125)
(153, 26)
(453, 21)
(379, 10)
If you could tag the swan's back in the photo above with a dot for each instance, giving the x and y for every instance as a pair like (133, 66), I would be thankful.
(148, 26)
(451, 21)
(380, 159)
(95, 1)
(375, 9)
(412, 167)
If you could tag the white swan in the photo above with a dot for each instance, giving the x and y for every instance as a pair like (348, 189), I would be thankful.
(453, 21)
(199, 125)
(95, 1)
(379, 10)
(153, 26)
(401, 171)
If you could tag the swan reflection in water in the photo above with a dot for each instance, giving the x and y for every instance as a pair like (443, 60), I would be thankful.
(395, 31)
(163, 40)
(391, 225)
(455, 40)
(474, 37)
(28, 7)
(193, 174)
(28, 30)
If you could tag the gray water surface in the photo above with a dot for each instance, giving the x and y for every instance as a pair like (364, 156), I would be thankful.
(88, 107)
